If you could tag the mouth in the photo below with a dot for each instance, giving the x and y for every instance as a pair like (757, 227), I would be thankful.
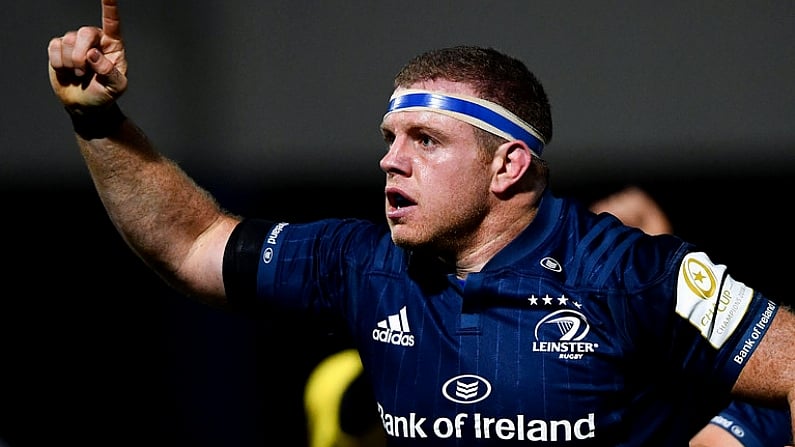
(398, 201)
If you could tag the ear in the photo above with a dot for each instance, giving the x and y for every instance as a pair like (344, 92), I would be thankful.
(511, 161)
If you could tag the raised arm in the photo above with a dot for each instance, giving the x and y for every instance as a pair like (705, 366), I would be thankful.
(176, 227)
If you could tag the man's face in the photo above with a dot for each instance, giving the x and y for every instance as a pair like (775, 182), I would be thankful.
(437, 180)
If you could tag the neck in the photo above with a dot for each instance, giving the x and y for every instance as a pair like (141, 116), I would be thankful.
(495, 234)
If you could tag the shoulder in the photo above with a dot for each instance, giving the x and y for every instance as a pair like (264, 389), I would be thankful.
(606, 252)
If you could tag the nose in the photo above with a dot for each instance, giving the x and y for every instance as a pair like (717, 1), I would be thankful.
(395, 160)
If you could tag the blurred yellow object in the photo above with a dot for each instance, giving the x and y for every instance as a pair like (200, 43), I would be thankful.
(323, 396)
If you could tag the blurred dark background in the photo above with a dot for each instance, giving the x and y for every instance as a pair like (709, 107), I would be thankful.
(274, 107)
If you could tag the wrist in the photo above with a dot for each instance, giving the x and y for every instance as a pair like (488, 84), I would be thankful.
(96, 122)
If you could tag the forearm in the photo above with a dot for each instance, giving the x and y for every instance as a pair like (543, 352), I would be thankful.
(159, 211)
(172, 224)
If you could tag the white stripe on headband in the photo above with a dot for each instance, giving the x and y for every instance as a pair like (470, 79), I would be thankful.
(478, 112)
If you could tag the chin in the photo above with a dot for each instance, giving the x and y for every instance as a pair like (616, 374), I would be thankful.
(403, 240)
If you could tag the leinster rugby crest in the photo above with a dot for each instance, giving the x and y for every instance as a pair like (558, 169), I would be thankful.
(563, 332)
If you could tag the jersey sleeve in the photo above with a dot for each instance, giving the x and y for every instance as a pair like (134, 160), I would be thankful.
(297, 266)
(729, 315)
(755, 426)
(685, 311)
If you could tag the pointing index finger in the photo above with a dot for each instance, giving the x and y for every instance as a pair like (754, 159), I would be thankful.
(111, 21)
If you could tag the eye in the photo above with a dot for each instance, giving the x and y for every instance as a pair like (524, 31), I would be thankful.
(426, 140)
(388, 137)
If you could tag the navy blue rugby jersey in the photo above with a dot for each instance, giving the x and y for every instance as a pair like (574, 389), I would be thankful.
(582, 331)
(756, 426)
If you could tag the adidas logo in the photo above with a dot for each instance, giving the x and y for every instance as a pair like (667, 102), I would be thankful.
(394, 330)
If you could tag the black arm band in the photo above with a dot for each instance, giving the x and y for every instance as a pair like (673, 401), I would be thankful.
(96, 122)
(241, 259)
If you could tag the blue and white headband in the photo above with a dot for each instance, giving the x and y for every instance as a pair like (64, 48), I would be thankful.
(486, 115)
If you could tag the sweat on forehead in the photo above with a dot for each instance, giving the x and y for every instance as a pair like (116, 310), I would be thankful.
(478, 112)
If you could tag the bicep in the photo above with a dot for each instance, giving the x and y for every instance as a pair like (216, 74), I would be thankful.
(201, 274)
